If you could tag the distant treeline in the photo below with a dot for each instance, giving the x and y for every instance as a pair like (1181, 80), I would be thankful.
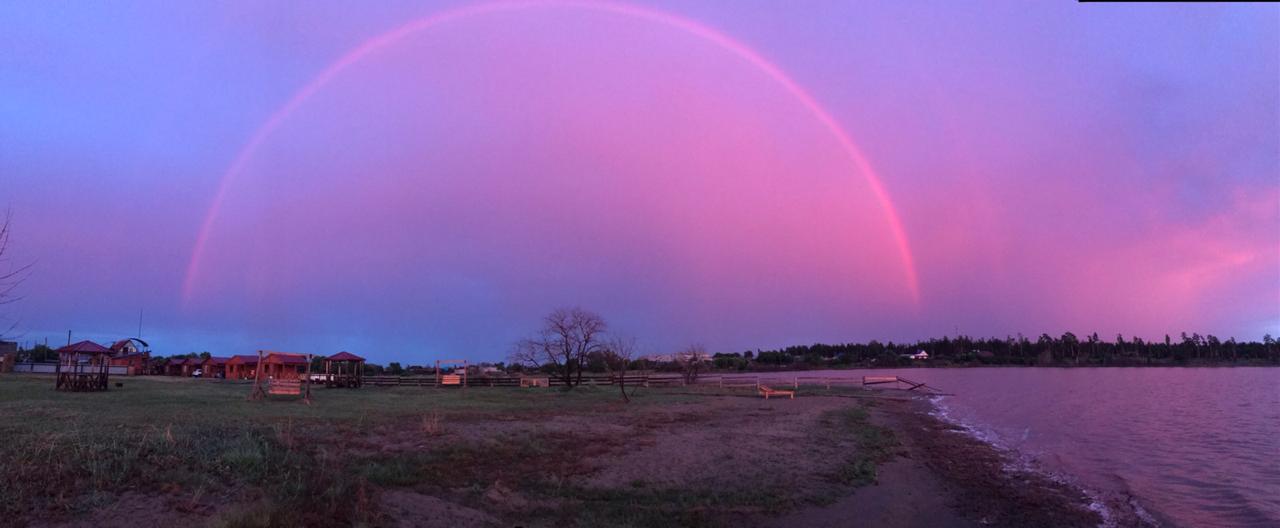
(1067, 349)
(1046, 350)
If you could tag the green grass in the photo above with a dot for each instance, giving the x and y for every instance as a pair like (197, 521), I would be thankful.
(873, 444)
(67, 453)
(283, 463)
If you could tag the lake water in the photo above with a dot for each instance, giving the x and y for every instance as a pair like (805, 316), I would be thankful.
(1190, 446)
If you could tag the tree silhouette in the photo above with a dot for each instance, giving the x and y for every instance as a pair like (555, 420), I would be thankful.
(10, 275)
(567, 337)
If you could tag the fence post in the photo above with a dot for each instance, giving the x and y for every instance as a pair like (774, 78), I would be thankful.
(795, 382)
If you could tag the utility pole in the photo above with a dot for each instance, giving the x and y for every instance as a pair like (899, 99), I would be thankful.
(68, 338)
(139, 323)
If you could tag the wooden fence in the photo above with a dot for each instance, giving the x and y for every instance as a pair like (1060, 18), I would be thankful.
(514, 381)
(730, 381)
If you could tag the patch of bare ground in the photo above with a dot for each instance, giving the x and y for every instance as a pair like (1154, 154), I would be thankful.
(132, 509)
(408, 509)
(721, 442)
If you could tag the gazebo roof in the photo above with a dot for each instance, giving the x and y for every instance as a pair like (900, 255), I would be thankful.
(84, 347)
(345, 356)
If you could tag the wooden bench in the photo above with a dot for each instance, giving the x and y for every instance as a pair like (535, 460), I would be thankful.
(287, 387)
(535, 382)
(767, 391)
(451, 379)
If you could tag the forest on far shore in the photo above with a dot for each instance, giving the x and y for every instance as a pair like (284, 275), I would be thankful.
(1046, 350)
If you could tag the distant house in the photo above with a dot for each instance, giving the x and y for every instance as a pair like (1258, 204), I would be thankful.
(124, 347)
(920, 354)
(242, 366)
(124, 353)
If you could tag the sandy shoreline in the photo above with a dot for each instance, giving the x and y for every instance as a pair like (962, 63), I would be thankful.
(943, 477)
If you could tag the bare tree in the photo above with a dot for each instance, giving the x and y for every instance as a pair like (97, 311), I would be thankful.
(691, 361)
(10, 277)
(567, 336)
(617, 353)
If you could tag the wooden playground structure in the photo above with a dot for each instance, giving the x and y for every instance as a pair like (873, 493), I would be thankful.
(82, 367)
(277, 374)
(451, 380)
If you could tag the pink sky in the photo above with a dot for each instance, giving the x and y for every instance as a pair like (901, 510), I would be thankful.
(682, 170)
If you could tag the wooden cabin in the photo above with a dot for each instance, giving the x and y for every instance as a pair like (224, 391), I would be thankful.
(181, 366)
(344, 369)
(283, 365)
(82, 366)
(282, 373)
(242, 366)
(215, 367)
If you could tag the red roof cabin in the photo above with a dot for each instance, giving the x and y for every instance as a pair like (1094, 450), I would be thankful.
(282, 373)
(283, 365)
(82, 367)
(242, 366)
(181, 366)
(215, 367)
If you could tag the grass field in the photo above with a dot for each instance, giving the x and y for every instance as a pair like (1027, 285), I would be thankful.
(166, 450)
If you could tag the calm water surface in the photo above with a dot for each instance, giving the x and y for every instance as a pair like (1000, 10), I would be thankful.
(1191, 446)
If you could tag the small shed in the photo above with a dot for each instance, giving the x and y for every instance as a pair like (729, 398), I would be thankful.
(215, 367)
(242, 366)
(82, 367)
(344, 369)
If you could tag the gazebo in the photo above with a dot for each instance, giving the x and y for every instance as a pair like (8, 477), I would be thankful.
(344, 369)
(83, 367)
